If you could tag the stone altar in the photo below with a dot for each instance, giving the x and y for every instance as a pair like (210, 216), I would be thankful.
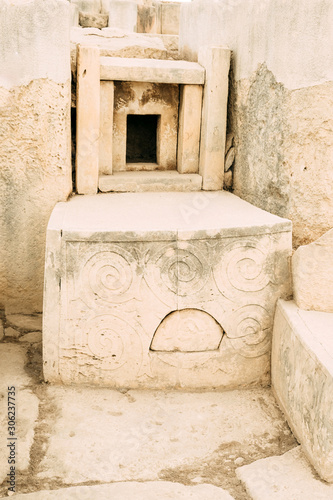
(162, 290)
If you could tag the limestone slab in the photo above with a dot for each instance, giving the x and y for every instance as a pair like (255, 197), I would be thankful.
(302, 378)
(123, 14)
(189, 128)
(149, 181)
(161, 490)
(286, 477)
(12, 374)
(87, 120)
(151, 70)
(106, 128)
(313, 274)
(214, 116)
(142, 434)
(170, 18)
(94, 20)
(111, 281)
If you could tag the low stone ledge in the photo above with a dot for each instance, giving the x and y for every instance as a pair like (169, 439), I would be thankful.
(302, 379)
(123, 182)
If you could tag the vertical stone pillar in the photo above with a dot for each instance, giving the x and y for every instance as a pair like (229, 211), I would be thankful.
(189, 129)
(123, 15)
(216, 61)
(35, 141)
(87, 119)
(106, 128)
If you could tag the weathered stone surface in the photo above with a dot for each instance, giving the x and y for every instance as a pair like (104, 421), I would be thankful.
(285, 477)
(169, 180)
(176, 432)
(152, 71)
(123, 14)
(32, 337)
(214, 116)
(87, 120)
(281, 109)
(34, 141)
(149, 18)
(189, 129)
(25, 322)
(170, 18)
(302, 379)
(132, 98)
(313, 274)
(106, 127)
(92, 20)
(125, 274)
(12, 373)
(2, 333)
(140, 491)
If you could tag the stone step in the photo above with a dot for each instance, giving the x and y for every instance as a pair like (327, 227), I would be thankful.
(286, 477)
(302, 378)
(142, 181)
(152, 71)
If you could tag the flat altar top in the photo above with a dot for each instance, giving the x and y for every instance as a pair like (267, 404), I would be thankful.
(161, 216)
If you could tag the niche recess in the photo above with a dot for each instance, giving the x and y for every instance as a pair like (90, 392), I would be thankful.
(141, 138)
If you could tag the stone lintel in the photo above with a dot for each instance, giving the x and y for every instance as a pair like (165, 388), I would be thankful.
(151, 70)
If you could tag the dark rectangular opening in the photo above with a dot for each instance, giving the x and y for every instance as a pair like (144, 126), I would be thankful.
(141, 138)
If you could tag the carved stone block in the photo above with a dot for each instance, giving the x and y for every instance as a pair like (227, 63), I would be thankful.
(162, 290)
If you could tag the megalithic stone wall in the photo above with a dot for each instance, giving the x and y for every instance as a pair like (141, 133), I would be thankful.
(280, 101)
(35, 158)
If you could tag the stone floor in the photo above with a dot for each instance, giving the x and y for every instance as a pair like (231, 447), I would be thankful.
(99, 443)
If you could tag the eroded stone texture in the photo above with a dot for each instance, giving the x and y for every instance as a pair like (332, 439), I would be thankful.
(34, 141)
(287, 171)
(121, 276)
(36, 174)
(94, 20)
(302, 380)
(313, 274)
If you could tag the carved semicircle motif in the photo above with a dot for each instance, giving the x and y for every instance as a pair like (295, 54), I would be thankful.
(187, 330)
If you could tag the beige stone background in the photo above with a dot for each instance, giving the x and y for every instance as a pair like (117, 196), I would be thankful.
(280, 101)
(280, 110)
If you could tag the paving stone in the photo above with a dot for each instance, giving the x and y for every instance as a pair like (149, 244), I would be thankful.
(25, 321)
(104, 435)
(159, 490)
(12, 373)
(32, 337)
(288, 477)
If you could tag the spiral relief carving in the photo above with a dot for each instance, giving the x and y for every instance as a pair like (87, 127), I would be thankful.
(242, 268)
(109, 275)
(181, 271)
(112, 339)
(250, 331)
